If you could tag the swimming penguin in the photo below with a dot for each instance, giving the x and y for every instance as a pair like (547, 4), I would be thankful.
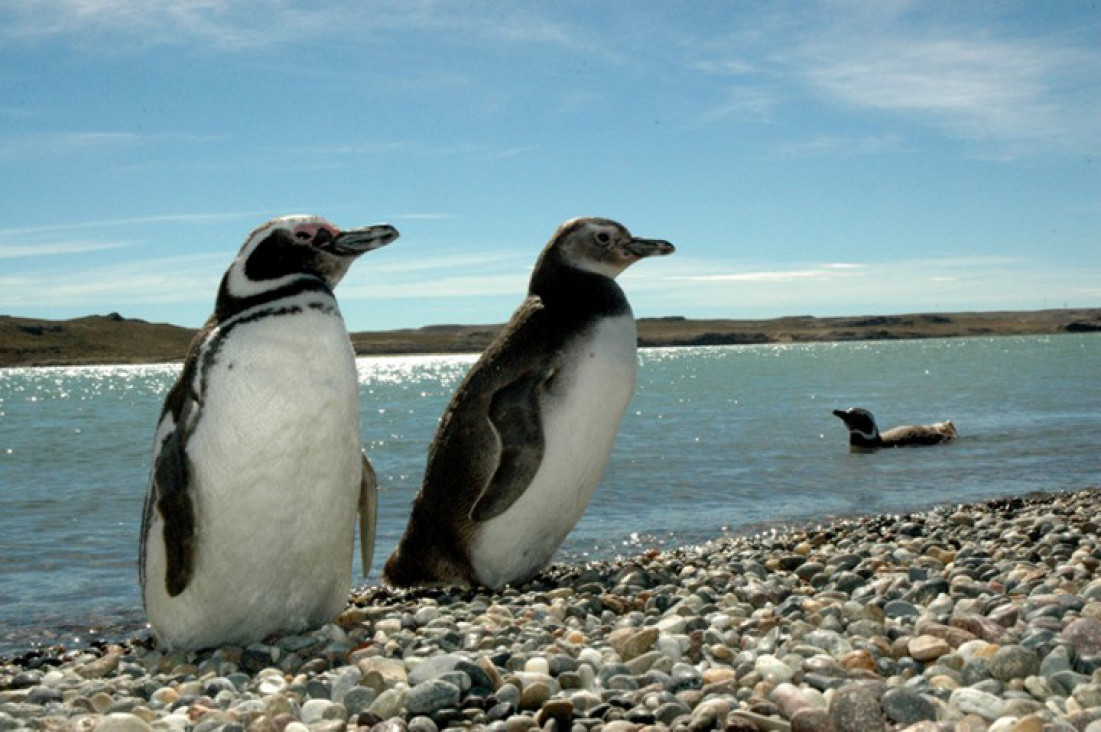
(258, 466)
(864, 434)
(527, 435)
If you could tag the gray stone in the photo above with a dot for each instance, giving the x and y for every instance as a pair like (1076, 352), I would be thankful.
(667, 712)
(1013, 662)
(1055, 661)
(422, 724)
(901, 609)
(433, 667)
(314, 710)
(1084, 636)
(815, 719)
(389, 703)
(903, 705)
(359, 699)
(973, 701)
(431, 696)
(855, 707)
(344, 681)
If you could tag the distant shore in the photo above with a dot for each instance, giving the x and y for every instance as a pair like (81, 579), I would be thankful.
(114, 339)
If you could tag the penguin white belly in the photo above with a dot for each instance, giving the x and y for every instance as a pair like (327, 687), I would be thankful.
(580, 418)
(276, 460)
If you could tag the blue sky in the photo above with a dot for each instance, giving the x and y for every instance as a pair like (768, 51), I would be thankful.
(823, 158)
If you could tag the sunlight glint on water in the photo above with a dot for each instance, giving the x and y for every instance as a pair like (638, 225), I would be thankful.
(716, 439)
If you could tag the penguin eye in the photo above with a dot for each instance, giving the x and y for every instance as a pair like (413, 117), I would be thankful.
(603, 237)
(302, 235)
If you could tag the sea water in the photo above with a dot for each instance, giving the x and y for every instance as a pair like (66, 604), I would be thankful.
(717, 440)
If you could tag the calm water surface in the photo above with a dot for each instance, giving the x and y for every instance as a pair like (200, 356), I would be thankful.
(717, 440)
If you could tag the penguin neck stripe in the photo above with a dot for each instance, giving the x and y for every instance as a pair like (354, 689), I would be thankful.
(230, 306)
(217, 338)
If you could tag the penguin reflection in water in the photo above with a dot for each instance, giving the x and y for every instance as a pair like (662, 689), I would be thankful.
(527, 435)
(258, 467)
(864, 434)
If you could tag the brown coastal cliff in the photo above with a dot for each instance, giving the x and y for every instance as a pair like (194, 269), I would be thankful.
(113, 339)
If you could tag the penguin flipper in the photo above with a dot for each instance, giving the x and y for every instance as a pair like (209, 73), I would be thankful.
(515, 416)
(171, 498)
(368, 514)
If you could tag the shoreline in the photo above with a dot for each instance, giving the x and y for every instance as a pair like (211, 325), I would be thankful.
(115, 340)
(957, 614)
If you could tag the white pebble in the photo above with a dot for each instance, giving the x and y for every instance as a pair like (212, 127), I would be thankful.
(773, 668)
(537, 665)
(592, 657)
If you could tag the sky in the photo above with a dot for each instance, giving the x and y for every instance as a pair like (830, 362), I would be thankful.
(806, 158)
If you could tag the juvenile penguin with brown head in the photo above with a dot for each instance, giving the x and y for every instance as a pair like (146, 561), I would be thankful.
(527, 436)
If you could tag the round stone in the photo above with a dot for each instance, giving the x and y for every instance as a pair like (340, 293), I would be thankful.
(855, 708)
(905, 706)
(122, 722)
(431, 696)
(1013, 662)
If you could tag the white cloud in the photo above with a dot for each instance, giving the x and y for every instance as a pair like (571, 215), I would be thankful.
(241, 25)
(838, 146)
(14, 251)
(179, 279)
(702, 289)
(196, 219)
(972, 86)
(1004, 93)
(764, 276)
(67, 143)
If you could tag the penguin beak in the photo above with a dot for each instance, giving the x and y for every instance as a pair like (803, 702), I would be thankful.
(649, 247)
(354, 242)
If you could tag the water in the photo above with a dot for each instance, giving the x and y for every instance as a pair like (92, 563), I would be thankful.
(717, 440)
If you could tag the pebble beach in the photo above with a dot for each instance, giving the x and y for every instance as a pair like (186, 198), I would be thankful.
(979, 617)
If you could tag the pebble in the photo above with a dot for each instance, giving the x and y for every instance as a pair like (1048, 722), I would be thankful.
(980, 618)
(432, 696)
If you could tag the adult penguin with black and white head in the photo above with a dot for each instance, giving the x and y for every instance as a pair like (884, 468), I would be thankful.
(527, 435)
(258, 466)
(864, 433)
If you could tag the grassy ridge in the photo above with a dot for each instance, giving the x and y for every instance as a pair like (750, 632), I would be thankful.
(113, 339)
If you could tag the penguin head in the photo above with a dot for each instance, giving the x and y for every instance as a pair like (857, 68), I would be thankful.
(291, 247)
(860, 422)
(602, 246)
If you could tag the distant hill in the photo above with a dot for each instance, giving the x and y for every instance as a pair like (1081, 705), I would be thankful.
(103, 339)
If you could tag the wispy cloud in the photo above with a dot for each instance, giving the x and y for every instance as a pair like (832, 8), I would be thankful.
(186, 218)
(62, 144)
(179, 279)
(836, 146)
(749, 103)
(1003, 93)
(972, 86)
(765, 276)
(236, 26)
(435, 274)
(951, 283)
(13, 251)
(407, 148)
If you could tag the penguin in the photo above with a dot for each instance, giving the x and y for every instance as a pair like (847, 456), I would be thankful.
(865, 435)
(527, 435)
(258, 468)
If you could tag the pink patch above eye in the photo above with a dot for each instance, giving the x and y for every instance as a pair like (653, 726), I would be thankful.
(310, 230)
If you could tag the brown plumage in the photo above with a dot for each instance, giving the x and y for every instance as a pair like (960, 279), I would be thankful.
(492, 440)
(865, 434)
